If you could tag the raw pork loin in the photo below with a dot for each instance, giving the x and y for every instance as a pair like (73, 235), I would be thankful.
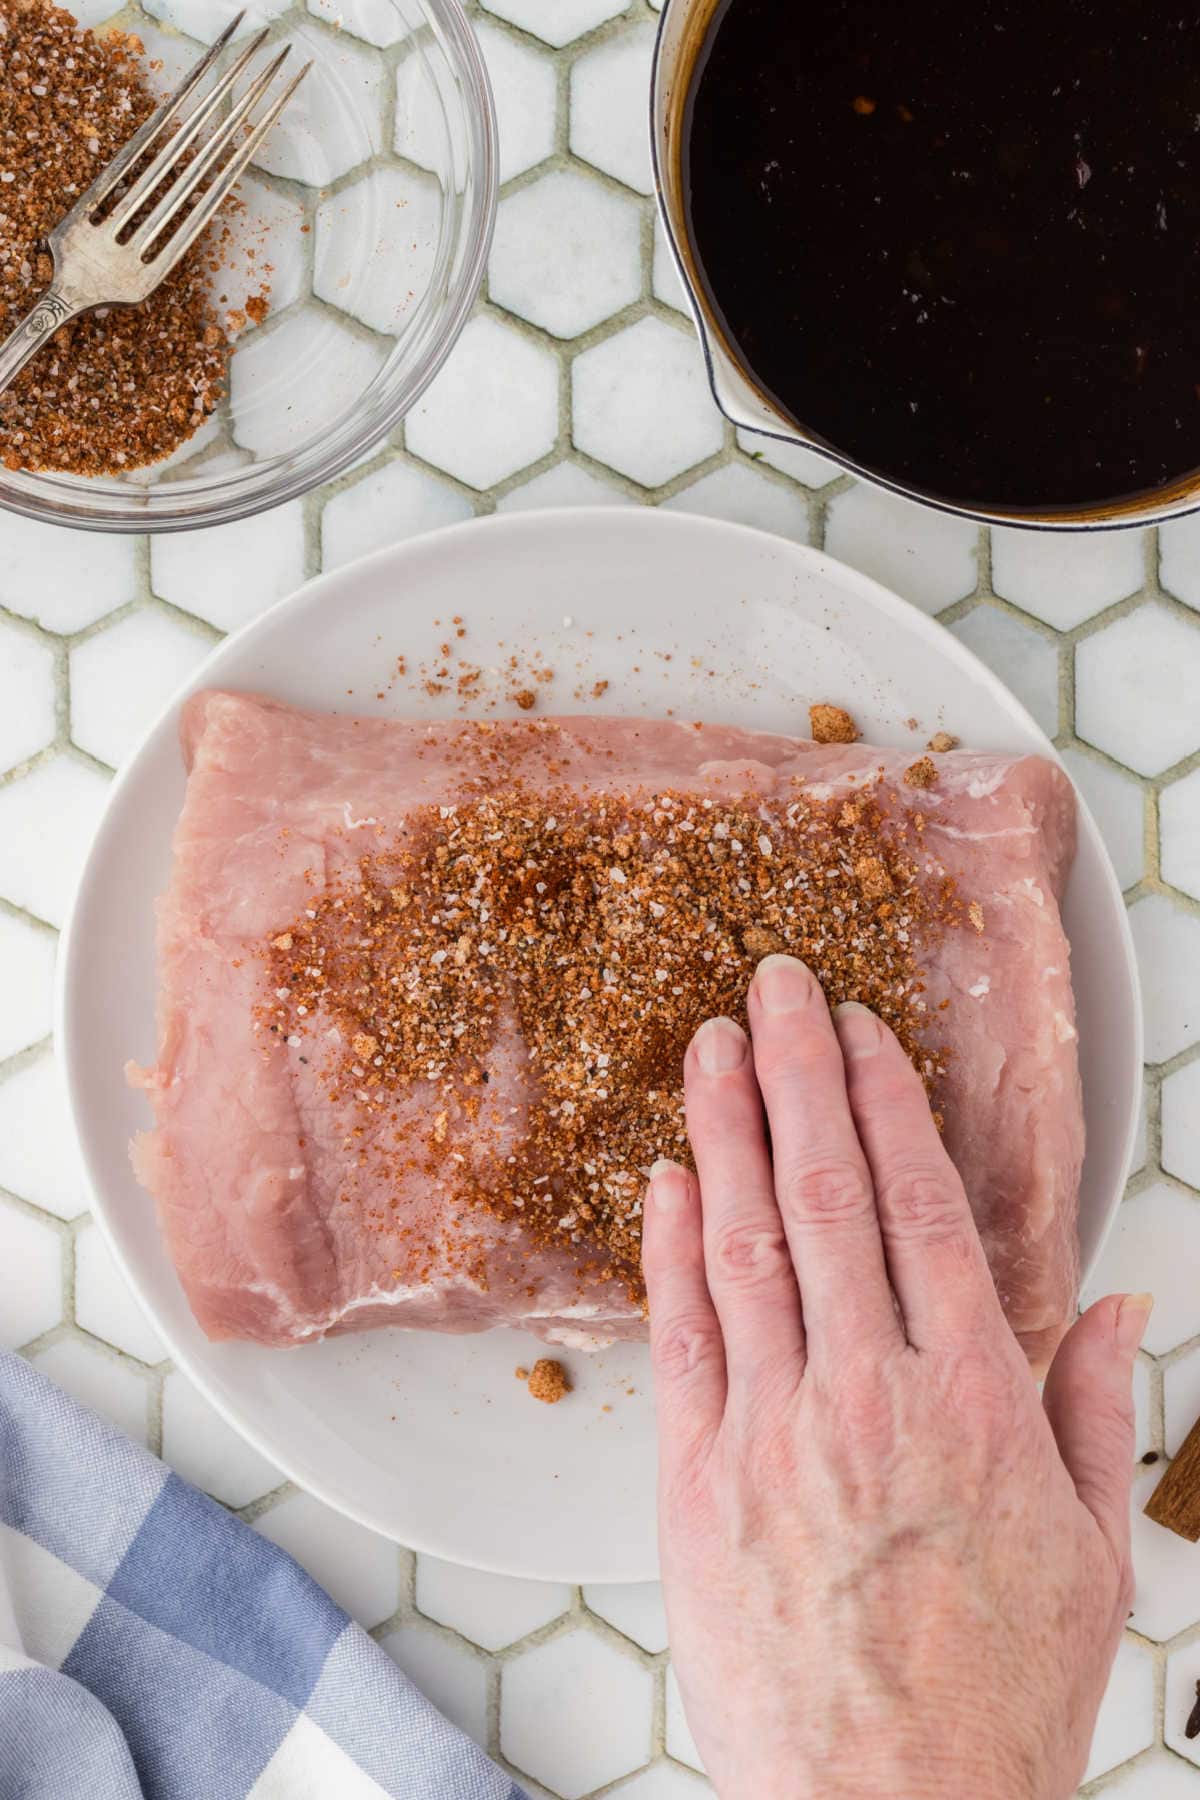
(248, 1160)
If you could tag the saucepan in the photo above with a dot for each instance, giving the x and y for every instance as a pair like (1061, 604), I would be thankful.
(683, 27)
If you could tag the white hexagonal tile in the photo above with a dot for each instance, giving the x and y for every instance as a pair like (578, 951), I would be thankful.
(104, 1303)
(1168, 949)
(807, 466)
(26, 982)
(491, 1610)
(206, 19)
(680, 1742)
(46, 823)
(1181, 1400)
(664, 279)
(1167, 1597)
(65, 579)
(1136, 683)
(525, 89)
(642, 405)
(26, 695)
(663, 1781)
(290, 382)
(1158, 1776)
(557, 22)
(268, 245)
(123, 677)
(1154, 1248)
(30, 1276)
(38, 1156)
(564, 485)
(924, 556)
(116, 1390)
(377, 22)
(231, 573)
(447, 1673)
(1126, 1721)
(389, 504)
(201, 1447)
(1119, 808)
(575, 1713)
(1179, 833)
(377, 245)
(1181, 1124)
(736, 492)
(360, 1569)
(1179, 558)
(1025, 661)
(1066, 577)
(636, 1608)
(610, 89)
(1143, 1406)
(492, 410)
(334, 121)
(567, 253)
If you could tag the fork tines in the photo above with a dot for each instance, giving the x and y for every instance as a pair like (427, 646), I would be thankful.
(187, 174)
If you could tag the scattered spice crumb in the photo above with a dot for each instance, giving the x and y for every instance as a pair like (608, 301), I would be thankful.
(526, 699)
(521, 1372)
(872, 875)
(1151, 1456)
(922, 774)
(549, 1381)
(832, 724)
(1192, 1728)
(759, 942)
(912, 724)
(975, 914)
(941, 741)
(599, 688)
(863, 106)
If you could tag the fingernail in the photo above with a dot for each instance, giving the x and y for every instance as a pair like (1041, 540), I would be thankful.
(720, 1046)
(1133, 1316)
(670, 1185)
(783, 984)
(858, 1030)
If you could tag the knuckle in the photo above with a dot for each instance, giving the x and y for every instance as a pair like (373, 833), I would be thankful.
(683, 1346)
(922, 1201)
(825, 1192)
(746, 1255)
(797, 1059)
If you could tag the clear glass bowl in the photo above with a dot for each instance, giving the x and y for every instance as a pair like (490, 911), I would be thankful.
(369, 211)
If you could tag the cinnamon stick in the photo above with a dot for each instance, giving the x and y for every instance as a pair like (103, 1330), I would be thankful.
(1175, 1502)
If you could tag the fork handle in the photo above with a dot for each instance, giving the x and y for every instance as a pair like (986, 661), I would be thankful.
(36, 328)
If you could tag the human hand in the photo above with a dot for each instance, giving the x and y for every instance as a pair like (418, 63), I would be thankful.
(889, 1569)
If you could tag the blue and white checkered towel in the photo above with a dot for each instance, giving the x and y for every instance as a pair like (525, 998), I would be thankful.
(152, 1647)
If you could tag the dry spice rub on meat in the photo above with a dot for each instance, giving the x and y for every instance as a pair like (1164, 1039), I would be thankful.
(605, 932)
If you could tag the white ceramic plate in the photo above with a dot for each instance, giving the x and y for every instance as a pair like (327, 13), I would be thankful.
(429, 1438)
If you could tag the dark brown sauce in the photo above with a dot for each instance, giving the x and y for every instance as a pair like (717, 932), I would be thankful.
(961, 244)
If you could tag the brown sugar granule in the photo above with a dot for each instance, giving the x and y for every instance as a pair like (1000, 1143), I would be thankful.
(922, 774)
(124, 386)
(864, 106)
(831, 724)
(975, 914)
(521, 1372)
(873, 878)
(599, 689)
(548, 1381)
(941, 741)
(526, 699)
(602, 931)
(758, 942)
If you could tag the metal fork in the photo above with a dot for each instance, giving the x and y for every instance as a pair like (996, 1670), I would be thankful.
(115, 256)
